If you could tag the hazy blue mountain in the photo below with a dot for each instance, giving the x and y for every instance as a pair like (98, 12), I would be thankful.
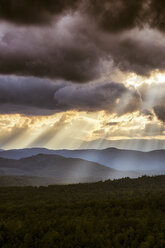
(144, 162)
(63, 170)
(129, 144)
(122, 159)
(24, 153)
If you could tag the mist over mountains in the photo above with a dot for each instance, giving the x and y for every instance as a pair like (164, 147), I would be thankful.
(110, 157)
(40, 166)
(145, 145)
(55, 169)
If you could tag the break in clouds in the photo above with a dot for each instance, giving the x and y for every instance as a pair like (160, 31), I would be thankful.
(56, 55)
(32, 96)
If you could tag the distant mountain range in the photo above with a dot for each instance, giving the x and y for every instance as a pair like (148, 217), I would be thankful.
(40, 166)
(58, 169)
(129, 144)
(111, 157)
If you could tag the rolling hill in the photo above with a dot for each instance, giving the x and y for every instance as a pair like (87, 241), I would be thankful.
(152, 162)
(57, 169)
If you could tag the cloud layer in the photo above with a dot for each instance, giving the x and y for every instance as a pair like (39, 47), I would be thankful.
(60, 51)
(114, 15)
(27, 96)
(78, 40)
(57, 56)
(33, 96)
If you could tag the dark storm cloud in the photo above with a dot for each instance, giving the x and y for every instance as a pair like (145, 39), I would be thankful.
(38, 12)
(111, 15)
(119, 15)
(90, 97)
(160, 112)
(77, 41)
(19, 95)
(116, 15)
(138, 56)
(69, 52)
(38, 97)
(156, 16)
(136, 50)
(72, 50)
(112, 97)
(59, 52)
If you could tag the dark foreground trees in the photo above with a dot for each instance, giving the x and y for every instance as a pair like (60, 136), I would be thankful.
(124, 213)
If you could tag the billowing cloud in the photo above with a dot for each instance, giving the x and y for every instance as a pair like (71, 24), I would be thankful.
(91, 97)
(31, 95)
(21, 94)
(114, 15)
(112, 97)
(61, 51)
(138, 50)
(59, 56)
(160, 112)
(71, 49)
(38, 12)
(119, 15)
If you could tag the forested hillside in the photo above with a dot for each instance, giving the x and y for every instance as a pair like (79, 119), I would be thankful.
(120, 214)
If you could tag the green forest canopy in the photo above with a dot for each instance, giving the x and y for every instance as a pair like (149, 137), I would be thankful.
(121, 213)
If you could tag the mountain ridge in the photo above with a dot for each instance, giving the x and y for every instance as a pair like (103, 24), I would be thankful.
(111, 157)
(61, 169)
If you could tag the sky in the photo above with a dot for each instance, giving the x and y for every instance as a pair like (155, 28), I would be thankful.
(74, 72)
